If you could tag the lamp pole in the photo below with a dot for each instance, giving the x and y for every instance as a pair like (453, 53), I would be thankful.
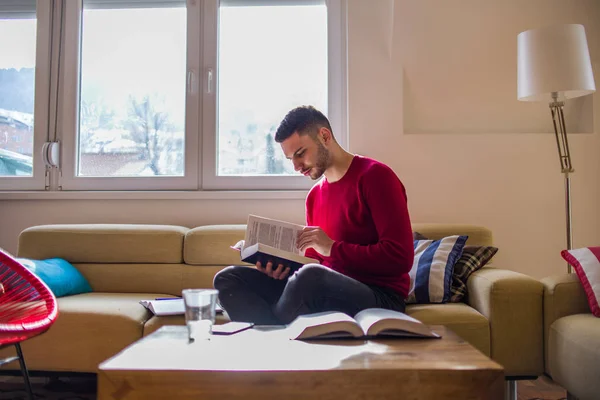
(562, 143)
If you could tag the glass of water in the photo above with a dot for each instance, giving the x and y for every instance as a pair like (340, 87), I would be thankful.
(200, 312)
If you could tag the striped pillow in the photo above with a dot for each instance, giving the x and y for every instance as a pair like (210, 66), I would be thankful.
(431, 273)
(586, 262)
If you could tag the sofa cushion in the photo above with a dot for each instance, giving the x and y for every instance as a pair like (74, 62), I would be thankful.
(574, 354)
(209, 245)
(463, 320)
(134, 278)
(200, 276)
(104, 243)
(90, 328)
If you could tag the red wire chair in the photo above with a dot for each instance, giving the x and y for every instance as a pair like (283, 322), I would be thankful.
(27, 309)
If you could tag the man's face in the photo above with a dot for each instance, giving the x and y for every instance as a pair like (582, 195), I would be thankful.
(309, 156)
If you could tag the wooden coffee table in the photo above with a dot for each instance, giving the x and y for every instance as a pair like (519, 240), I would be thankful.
(263, 364)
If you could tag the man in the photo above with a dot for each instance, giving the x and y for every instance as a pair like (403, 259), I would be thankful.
(358, 227)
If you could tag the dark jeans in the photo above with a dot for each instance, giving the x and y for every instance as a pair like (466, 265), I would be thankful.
(251, 296)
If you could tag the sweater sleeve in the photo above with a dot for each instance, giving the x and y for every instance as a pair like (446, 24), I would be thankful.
(393, 254)
(309, 209)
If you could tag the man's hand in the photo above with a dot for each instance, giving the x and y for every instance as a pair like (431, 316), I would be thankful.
(280, 273)
(314, 237)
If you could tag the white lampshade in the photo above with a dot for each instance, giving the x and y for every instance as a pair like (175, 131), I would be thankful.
(554, 59)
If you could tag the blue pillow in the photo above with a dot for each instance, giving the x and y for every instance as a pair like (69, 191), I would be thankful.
(431, 273)
(59, 275)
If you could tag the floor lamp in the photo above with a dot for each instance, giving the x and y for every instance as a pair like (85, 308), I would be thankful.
(554, 65)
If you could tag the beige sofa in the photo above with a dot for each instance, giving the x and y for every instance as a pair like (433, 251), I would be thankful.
(126, 263)
(572, 337)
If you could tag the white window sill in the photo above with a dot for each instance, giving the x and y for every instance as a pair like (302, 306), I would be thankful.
(155, 195)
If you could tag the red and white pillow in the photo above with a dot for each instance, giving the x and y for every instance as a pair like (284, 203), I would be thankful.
(586, 262)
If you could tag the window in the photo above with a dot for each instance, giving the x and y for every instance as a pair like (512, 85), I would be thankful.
(271, 55)
(172, 94)
(132, 120)
(262, 75)
(132, 94)
(21, 97)
(17, 79)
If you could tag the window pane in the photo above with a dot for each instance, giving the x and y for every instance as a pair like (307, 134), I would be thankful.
(17, 79)
(133, 87)
(271, 59)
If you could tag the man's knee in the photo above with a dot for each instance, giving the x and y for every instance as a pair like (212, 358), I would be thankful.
(310, 276)
(225, 277)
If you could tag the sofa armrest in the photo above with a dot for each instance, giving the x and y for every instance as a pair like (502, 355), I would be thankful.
(563, 296)
(512, 303)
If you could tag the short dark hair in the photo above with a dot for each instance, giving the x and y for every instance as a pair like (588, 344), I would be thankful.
(302, 119)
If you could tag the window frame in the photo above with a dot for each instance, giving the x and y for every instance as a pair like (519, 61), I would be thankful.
(41, 112)
(57, 93)
(337, 96)
(69, 109)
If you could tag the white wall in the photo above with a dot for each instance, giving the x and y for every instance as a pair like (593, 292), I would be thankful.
(494, 174)
(455, 62)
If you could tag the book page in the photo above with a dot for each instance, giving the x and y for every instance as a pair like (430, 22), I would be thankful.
(326, 324)
(278, 234)
(378, 320)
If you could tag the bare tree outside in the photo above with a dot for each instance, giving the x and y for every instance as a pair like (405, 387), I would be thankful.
(146, 124)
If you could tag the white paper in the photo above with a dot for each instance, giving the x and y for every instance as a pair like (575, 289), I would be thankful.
(274, 233)
(164, 307)
(170, 307)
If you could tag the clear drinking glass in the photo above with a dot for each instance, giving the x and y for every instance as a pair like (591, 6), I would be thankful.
(200, 312)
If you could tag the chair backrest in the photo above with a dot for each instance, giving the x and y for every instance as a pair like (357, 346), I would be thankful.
(27, 306)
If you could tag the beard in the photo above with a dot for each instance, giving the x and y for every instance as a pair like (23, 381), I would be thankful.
(323, 162)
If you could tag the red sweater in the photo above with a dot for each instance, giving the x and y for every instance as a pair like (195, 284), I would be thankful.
(366, 214)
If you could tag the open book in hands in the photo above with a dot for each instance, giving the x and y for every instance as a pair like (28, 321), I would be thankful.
(369, 323)
(272, 240)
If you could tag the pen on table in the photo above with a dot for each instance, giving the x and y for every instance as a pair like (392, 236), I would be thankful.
(168, 298)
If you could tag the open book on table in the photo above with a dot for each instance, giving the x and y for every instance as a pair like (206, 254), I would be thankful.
(272, 240)
(170, 306)
(369, 323)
